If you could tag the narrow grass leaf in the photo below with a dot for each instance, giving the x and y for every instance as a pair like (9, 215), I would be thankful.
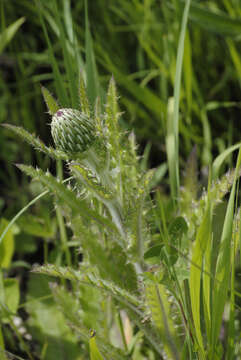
(59, 83)
(218, 162)
(187, 71)
(218, 22)
(235, 55)
(224, 265)
(199, 247)
(70, 64)
(93, 87)
(207, 270)
(172, 154)
(7, 34)
(146, 97)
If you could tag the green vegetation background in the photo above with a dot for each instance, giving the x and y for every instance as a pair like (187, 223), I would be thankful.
(137, 42)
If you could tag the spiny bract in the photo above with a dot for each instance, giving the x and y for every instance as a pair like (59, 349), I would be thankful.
(73, 132)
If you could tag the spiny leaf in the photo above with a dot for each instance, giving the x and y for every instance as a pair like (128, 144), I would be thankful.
(221, 187)
(111, 105)
(70, 303)
(89, 279)
(51, 103)
(160, 308)
(123, 297)
(112, 113)
(112, 262)
(50, 321)
(101, 192)
(84, 102)
(37, 143)
(137, 220)
(66, 195)
(103, 195)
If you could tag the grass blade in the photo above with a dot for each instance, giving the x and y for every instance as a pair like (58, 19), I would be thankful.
(224, 265)
(7, 35)
(173, 128)
(221, 158)
(218, 22)
(93, 87)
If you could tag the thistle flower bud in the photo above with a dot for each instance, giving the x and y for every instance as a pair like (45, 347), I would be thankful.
(73, 132)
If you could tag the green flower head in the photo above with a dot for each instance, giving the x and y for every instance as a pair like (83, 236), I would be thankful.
(73, 132)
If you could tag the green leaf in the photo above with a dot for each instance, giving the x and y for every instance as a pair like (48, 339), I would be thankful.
(93, 87)
(48, 323)
(7, 35)
(37, 226)
(112, 262)
(68, 56)
(102, 193)
(84, 102)
(173, 122)
(217, 22)
(187, 71)
(94, 351)
(202, 239)
(224, 264)
(112, 115)
(67, 196)
(37, 143)
(157, 302)
(221, 158)
(154, 251)
(12, 294)
(176, 230)
(105, 285)
(51, 103)
(147, 97)
(123, 297)
(58, 79)
(6, 245)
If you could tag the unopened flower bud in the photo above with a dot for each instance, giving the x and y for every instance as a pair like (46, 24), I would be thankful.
(73, 132)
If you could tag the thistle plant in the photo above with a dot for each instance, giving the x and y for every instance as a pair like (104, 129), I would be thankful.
(136, 293)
